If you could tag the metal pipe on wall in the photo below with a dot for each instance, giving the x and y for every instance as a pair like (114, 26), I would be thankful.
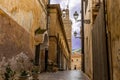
(48, 18)
(107, 46)
(82, 27)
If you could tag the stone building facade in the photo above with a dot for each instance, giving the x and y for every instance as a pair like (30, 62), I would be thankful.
(76, 60)
(113, 33)
(59, 51)
(67, 25)
(11, 37)
(96, 58)
(68, 28)
(102, 39)
(23, 28)
(88, 39)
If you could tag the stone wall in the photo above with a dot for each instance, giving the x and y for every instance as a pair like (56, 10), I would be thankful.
(67, 26)
(88, 41)
(58, 36)
(76, 60)
(13, 38)
(52, 49)
(100, 56)
(19, 21)
(88, 52)
(30, 15)
(113, 14)
(116, 59)
(113, 36)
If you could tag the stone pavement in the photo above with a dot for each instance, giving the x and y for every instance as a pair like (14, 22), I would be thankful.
(63, 75)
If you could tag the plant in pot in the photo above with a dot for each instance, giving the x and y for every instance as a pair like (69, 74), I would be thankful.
(50, 65)
(9, 73)
(23, 75)
(23, 65)
(55, 68)
(6, 72)
(15, 68)
(35, 72)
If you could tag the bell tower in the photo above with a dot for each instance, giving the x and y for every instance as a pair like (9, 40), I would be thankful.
(67, 25)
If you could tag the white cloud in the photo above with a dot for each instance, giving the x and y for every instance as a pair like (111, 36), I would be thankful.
(63, 3)
(73, 3)
(53, 1)
(76, 27)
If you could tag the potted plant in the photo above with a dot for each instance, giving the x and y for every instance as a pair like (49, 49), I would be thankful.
(23, 65)
(6, 72)
(50, 65)
(35, 72)
(23, 75)
(55, 68)
(9, 73)
(15, 68)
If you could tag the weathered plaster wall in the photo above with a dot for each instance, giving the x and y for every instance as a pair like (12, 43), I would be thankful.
(52, 49)
(68, 28)
(113, 8)
(100, 56)
(57, 32)
(76, 60)
(88, 51)
(116, 59)
(30, 14)
(13, 38)
(88, 41)
(113, 30)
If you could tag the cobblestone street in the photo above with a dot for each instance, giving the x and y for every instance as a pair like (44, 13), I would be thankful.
(63, 75)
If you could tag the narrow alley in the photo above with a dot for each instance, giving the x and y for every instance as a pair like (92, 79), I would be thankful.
(64, 75)
(59, 40)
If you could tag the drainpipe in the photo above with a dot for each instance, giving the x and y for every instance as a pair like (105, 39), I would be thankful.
(106, 35)
(82, 27)
(48, 16)
(47, 28)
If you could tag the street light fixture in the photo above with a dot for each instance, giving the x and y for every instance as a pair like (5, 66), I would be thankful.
(75, 34)
(76, 17)
(63, 13)
(82, 28)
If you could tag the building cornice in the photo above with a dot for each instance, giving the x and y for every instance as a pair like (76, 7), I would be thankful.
(57, 7)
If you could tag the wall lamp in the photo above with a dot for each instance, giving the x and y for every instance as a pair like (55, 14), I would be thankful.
(75, 34)
(76, 17)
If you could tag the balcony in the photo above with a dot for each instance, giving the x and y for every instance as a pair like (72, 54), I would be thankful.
(40, 36)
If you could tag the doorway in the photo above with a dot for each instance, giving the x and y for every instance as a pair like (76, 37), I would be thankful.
(37, 54)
